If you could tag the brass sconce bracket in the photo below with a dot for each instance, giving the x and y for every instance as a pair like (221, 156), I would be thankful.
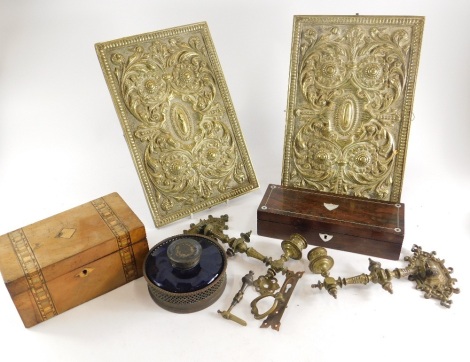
(428, 271)
(265, 284)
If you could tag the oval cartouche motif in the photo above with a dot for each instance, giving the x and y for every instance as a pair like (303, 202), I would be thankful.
(350, 99)
(181, 121)
(346, 116)
(178, 119)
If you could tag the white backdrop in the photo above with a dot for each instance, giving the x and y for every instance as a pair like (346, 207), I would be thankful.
(61, 145)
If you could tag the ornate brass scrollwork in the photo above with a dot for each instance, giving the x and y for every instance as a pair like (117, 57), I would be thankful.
(178, 118)
(350, 102)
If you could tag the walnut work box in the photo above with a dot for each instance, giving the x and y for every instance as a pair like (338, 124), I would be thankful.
(347, 223)
(60, 262)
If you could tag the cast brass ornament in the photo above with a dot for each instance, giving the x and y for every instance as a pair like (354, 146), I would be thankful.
(292, 248)
(352, 81)
(178, 120)
(281, 299)
(428, 271)
(266, 285)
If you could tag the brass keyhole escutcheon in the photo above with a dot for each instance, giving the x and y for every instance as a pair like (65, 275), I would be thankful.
(85, 272)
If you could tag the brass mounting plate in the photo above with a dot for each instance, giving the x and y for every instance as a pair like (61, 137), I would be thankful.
(178, 119)
(352, 82)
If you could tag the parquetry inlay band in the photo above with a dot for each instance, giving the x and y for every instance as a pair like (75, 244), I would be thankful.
(122, 237)
(32, 271)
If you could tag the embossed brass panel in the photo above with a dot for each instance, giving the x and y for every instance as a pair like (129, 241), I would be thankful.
(178, 120)
(352, 81)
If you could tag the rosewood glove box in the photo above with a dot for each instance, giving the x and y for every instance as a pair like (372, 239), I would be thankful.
(63, 261)
(347, 223)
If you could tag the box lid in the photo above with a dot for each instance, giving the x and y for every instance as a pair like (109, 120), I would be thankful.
(341, 214)
(51, 247)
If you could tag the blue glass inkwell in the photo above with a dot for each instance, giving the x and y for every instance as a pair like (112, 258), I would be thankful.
(186, 273)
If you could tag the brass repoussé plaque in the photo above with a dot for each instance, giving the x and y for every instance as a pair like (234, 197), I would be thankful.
(352, 82)
(178, 120)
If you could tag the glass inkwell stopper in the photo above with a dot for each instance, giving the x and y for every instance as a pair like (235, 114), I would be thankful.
(184, 255)
(186, 273)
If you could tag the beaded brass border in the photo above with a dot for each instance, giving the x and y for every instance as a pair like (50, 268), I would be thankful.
(350, 106)
(122, 237)
(32, 271)
(182, 170)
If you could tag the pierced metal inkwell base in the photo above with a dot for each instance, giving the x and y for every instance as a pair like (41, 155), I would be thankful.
(428, 271)
(186, 273)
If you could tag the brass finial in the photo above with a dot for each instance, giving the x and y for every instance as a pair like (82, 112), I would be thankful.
(247, 280)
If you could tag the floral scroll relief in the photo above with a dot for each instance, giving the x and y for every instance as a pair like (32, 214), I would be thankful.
(189, 151)
(351, 83)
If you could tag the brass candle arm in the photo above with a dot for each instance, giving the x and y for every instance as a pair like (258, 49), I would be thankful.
(215, 226)
(266, 284)
(292, 249)
(429, 273)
